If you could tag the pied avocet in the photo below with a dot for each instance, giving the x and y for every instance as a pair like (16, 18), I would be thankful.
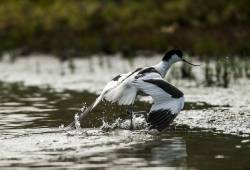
(168, 101)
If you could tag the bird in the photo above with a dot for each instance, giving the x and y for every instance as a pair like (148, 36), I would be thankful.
(168, 100)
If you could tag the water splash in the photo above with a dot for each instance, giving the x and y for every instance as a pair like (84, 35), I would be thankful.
(84, 107)
(107, 127)
(77, 121)
(61, 126)
(139, 123)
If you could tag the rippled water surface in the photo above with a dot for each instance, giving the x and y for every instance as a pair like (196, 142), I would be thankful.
(211, 133)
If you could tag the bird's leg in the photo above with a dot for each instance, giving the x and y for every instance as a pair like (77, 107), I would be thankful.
(130, 113)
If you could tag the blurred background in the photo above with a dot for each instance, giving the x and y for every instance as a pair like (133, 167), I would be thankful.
(69, 27)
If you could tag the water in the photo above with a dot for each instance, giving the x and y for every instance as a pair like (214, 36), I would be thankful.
(211, 133)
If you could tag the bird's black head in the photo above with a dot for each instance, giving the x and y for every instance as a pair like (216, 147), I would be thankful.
(172, 54)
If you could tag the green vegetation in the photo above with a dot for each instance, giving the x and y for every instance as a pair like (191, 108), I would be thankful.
(199, 27)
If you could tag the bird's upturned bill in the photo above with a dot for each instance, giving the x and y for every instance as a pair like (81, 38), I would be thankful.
(190, 63)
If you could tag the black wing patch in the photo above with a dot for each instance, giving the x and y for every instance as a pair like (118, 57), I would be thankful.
(138, 69)
(168, 88)
(160, 119)
(116, 77)
(145, 71)
(148, 70)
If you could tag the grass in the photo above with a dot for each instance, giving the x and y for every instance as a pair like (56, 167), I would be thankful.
(64, 27)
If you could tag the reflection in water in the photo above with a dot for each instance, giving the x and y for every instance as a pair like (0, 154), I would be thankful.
(170, 152)
(222, 152)
(29, 115)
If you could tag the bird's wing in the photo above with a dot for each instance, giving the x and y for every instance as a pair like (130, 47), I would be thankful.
(109, 86)
(120, 89)
(159, 89)
(164, 94)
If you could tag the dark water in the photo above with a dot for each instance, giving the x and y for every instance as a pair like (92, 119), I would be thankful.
(30, 117)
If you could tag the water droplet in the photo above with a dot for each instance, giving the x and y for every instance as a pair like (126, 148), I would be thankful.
(77, 122)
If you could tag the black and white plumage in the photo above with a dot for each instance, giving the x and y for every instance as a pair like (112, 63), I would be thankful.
(121, 88)
(168, 100)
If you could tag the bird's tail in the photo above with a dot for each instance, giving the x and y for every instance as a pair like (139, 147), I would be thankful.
(86, 111)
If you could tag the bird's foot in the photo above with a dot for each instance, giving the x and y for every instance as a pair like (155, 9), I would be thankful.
(130, 114)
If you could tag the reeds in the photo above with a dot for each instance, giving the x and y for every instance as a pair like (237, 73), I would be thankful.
(224, 71)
